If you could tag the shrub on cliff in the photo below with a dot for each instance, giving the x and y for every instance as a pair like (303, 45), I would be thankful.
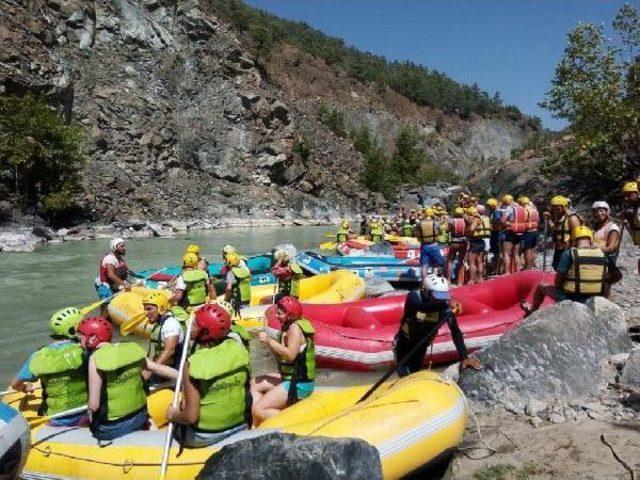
(40, 155)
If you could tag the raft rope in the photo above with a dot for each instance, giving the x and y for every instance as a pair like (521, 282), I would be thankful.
(483, 443)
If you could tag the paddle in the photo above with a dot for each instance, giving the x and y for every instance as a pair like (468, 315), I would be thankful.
(11, 390)
(176, 397)
(403, 360)
(328, 245)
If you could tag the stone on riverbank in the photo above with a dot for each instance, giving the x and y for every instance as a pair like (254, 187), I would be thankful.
(280, 456)
(18, 241)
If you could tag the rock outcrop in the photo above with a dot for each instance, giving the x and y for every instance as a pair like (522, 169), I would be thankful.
(278, 455)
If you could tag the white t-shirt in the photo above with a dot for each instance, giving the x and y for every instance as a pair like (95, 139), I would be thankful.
(180, 285)
(170, 328)
(602, 234)
(108, 259)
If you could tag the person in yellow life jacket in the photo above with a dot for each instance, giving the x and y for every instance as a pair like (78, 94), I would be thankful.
(217, 399)
(530, 236)
(631, 211)
(581, 273)
(61, 368)
(238, 282)
(376, 231)
(167, 334)
(561, 222)
(344, 232)
(117, 399)
(457, 245)
(296, 349)
(479, 230)
(203, 264)
(193, 285)
(427, 232)
(288, 273)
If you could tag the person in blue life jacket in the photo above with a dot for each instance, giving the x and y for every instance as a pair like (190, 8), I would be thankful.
(61, 368)
(117, 398)
(217, 398)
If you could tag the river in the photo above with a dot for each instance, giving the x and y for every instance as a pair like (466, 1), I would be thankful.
(34, 285)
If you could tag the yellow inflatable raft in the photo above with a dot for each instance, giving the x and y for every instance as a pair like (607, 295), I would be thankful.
(334, 287)
(410, 421)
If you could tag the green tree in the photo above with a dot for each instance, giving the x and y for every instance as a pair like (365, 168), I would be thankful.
(596, 90)
(409, 155)
(40, 155)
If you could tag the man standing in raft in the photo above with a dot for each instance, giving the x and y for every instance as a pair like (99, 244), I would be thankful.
(113, 270)
(423, 310)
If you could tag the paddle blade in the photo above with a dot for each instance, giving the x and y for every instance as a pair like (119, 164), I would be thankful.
(93, 306)
(328, 246)
(133, 324)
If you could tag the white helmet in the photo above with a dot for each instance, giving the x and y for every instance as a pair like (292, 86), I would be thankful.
(113, 244)
(228, 249)
(437, 285)
(601, 204)
(280, 254)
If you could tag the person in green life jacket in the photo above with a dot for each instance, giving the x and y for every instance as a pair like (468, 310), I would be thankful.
(167, 333)
(117, 399)
(295, 348)
(344, 232)
(202, 264)
(288, 273)
(376, 231)
(61, 367)
(238, 282)
(217, 399)
(192, 285)
(408, 226)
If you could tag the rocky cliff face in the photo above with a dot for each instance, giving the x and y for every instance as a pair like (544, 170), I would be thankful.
(183, 123)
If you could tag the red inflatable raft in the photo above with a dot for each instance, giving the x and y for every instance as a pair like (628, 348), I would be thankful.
(359, 335)
(361, 247)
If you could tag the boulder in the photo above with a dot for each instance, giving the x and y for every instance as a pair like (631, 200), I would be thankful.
(376, 287)
(18, 241)
(44, 232)
(631, 371)
(557, 353)
(286, 456)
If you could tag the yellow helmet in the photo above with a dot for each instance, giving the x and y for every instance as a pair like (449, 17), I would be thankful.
(471, 211)
(458, 212)
(159, 299)
(345, 223)
(524, 201)
(190, 260)
(193, 248)
(428, 212)
(630, 187)
(492, 202)
(559, 201)
(582, 231)
(375, 223)
(233, 259)
(507, 198)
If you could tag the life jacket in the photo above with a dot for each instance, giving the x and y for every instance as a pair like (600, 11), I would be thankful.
(426, 231)
(423, 319)
(240, 334)
(458, 229)
(291, 286)
(443, 235)
(341, 235)
(518, 223)
(196, 291)
(407, 230)
(242, 288)
(222, 376)
(562, 232)
(533, 218)
(377, 234)
(123, 391)
(588, 272)
(155, 339)
(483, 230)
(303, 368)
(496, 219)
(62, 373)
(121, 269)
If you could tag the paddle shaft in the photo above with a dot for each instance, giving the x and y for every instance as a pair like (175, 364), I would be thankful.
(176, 397)
(403, 360)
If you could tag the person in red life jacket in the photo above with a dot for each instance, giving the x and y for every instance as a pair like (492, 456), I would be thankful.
(514, 222)
(288, 273)
(114, 270)
(296, 351)
(530, 236)
(457, 245)
(117, 402)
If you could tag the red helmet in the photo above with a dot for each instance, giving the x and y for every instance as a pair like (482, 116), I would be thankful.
(213, 321)
(98, 326)
(291, 307)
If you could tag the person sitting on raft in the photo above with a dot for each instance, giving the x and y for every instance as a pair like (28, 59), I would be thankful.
(114, 270)
(203, 264)
(344, 232)
(192, 285)
(288, 273)
(62, 368)
(424, 309)
(167, 335)
(217, 401)
(117, 397)
(238, 282)
(274, 391)
(581, 273)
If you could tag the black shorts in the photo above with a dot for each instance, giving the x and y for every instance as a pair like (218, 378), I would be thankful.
(529, 240)
(514, 238)
(477, 245)
(556, 257)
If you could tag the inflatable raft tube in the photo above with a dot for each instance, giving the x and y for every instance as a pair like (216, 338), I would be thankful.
(335, 287)
(359, 335)
(15, 440)
(410, 421)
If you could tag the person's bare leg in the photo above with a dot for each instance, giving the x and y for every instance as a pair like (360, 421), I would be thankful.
(272, 403)
(473, 268)
(507, 248)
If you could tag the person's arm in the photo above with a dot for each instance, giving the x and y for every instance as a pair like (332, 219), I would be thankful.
(231, 280)
(613, 242)
(458, 341)
(213, 293)
(189, 412)
(170, 346)
(290, 351)
(95, 386)
(21, 386)
(161, 370)
(574, 222)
